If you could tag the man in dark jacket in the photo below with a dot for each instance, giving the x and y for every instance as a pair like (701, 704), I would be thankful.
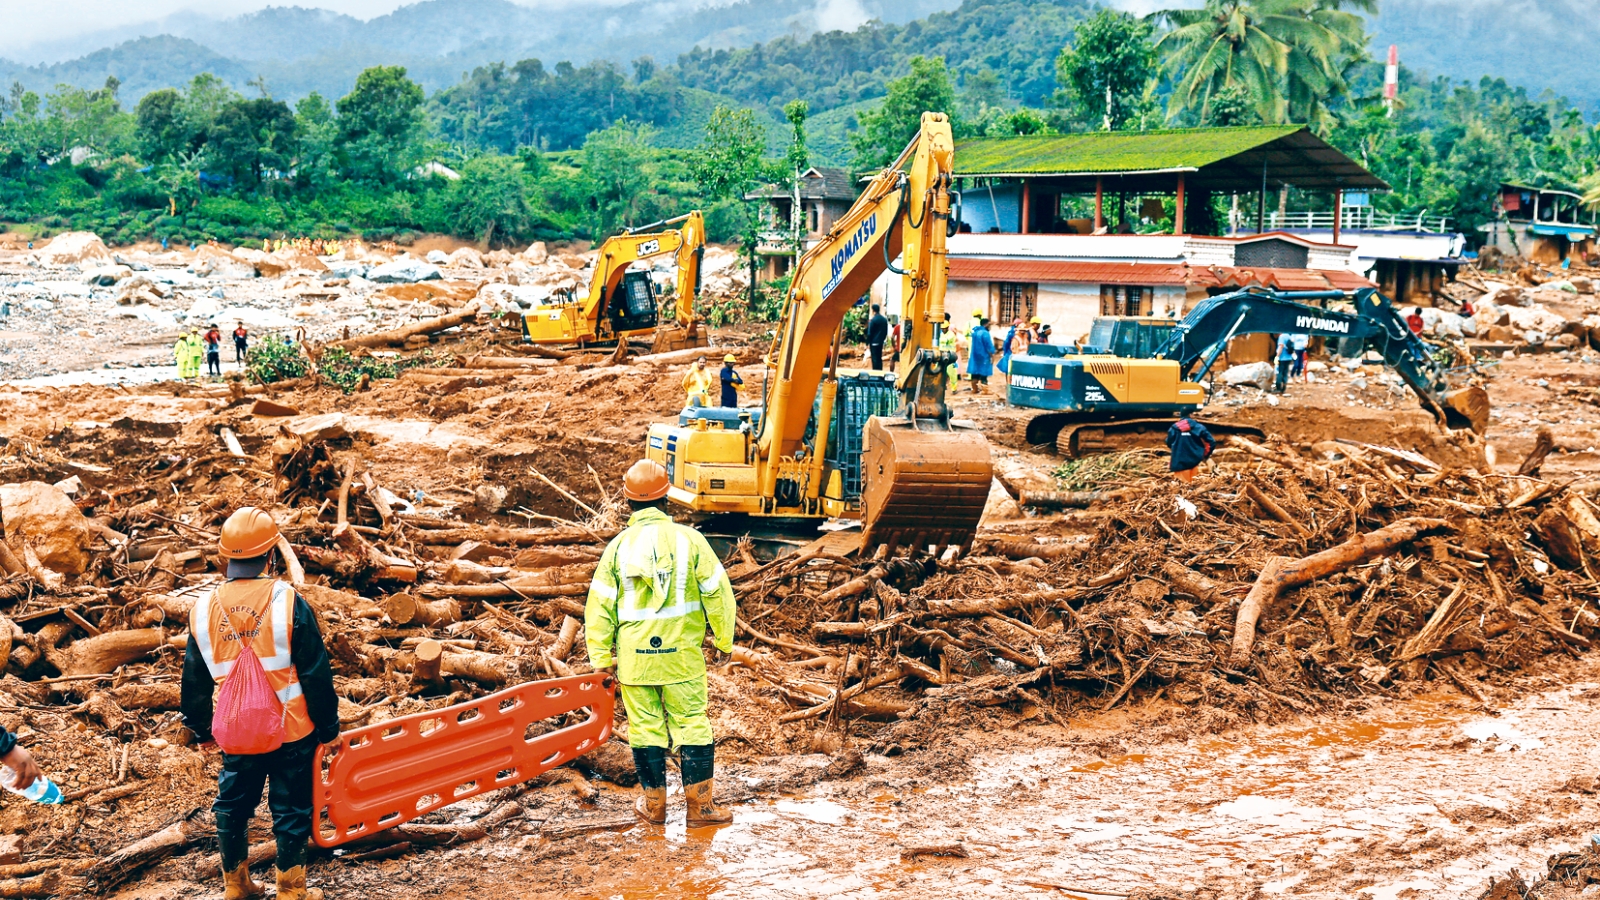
(731, 382)
(1191, 444)
(877, 336)
(252, 609)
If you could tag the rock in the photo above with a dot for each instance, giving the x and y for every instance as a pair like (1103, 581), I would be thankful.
(224, 267)
(265, 407)
(498, 258)
(405, 271)
(73, 247)
(536, 253)
(268, 265)
(1564, 341)
(466, 257)
(44, 517)
(1256, 374)
(438, 257)
(131, 291)
(326, 427)
(1499, 334)
(133, 264)
(11, 847)
(106, 276)
(344, 268)
(1000, 507)
(1567, 286)
(1581, 284)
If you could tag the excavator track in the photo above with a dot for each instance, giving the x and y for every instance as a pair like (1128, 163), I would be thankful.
(1075, 441)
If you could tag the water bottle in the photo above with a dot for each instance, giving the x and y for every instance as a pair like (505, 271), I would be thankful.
(43, 790)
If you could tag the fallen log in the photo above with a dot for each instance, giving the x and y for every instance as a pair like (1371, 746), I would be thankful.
(1543, 442)
(1271, 508)
(1069, 499)
(676, 357)
(46, 885)
(1281, 574)
(105, 653)
(405, 609)
(1030, 549)
(507, 362)
(983, 606)
(567, 828)
(122, 864)
(1193, 583)
(261, 853)
(425, 668)
(516, 537)
(448, 372)
(152, 697)
(401, 335)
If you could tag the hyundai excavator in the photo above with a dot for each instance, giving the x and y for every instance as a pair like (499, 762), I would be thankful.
(621, 304)
(830, 442)
(1136, 374)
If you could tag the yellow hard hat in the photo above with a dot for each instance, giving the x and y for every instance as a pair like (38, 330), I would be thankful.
(1035, 320)
(730, 358)
(977, 314)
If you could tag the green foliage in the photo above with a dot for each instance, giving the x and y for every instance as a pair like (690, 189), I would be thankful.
(379, 122)
(619, 169)
(339, 367)
(1092, 473)
(493, 196)
(275, 359)
(252, 138)
(729, 160)
(1108, 70)
(886, 130)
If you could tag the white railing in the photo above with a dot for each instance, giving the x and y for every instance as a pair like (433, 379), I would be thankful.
(1353, 218)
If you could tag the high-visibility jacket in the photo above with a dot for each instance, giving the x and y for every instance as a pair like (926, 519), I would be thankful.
(657, 588)
(697, 382)
(261, 611)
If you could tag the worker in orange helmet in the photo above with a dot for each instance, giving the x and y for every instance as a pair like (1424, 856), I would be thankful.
(658, 586)
(254, 623)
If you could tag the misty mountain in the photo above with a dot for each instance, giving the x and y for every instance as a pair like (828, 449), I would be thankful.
(1538, 44)
(299, 50)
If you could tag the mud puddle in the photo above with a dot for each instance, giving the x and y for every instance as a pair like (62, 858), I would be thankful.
(1424, 799)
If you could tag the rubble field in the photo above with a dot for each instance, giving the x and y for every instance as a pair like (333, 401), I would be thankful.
(1326, 667)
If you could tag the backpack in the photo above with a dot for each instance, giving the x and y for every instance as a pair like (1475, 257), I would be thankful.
(249, 716)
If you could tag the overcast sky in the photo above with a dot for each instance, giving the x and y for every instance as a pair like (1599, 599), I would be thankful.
(25, 22)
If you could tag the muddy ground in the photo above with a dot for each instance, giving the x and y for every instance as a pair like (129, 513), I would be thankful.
(1404, 788)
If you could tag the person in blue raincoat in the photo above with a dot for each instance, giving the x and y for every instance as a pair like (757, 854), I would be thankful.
(980, 356)
(1008, 347)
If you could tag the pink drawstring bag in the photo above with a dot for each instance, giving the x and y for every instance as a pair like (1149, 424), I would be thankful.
(249, 716)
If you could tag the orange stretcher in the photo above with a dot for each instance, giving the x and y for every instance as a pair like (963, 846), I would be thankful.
(384, 775)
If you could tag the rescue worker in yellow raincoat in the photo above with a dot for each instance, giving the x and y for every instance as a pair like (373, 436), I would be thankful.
(187, 352)
(697, 383)
(657, 588)
(278, 625)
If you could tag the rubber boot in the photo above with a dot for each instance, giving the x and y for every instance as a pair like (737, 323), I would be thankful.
(292, 875)
(651, 764)
(699, 764)
(236, 881)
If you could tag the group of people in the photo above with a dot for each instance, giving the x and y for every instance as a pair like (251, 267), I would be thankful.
(643, 627)
(194, 347)
(982, 350)
(698, 380)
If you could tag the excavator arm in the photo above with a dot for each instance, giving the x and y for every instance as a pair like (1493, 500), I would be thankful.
(1204, 334)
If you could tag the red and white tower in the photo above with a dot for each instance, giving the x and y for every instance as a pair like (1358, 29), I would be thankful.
(1391, 80)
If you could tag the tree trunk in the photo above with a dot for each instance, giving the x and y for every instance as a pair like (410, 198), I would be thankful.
(400, 335)
(105, 653)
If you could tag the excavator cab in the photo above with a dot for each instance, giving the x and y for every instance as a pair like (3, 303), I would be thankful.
(632, 306)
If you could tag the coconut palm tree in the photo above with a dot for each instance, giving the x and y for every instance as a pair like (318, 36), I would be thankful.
(1285, 55)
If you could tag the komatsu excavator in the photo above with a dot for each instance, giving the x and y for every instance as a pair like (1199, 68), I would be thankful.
(621, 304)
(1137, 373)
(828, 442)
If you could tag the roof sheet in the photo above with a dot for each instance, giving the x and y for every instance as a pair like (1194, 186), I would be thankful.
(1222, 158)
(1050, 271)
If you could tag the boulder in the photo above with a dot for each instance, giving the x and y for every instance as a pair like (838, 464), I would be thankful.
(214, 263)
(1582, 284)
(536, 253)
(498, 258)
(106, 276)
(45, 518)
(438, 257)
(466, 257)
(268, 265)
(133, 264)
(1256, 374)
(405, 271)
(74, 247)
(344, 268)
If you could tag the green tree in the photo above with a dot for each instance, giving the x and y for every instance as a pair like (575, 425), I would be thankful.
(252, 138)
(203, 101)
(83, 118)
(618, 171)
(380, 125)
(493, 197)
(885, 131)
(317, 129)
(161, 132)
(728, 160)
(1287, 55)
(1015, 122)
(1108, 69)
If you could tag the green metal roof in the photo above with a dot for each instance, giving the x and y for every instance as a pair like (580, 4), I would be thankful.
(1220, 158)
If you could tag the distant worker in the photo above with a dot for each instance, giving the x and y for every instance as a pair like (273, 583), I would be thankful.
(213, 345)
(1191, 444)
(1285, 360)
(1009, 347)
(656, 589)
(980, 356)
(731, 382)
(1044, 333)
(877, 336)
(188, 354)
(1414, 321)
(241, 343)
(894, 344)
(697, 383)
(1301, 343)
(1033, 330)
(947, 344)
(255, 611)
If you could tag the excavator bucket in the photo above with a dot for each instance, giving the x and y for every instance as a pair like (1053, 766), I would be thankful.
(1467, 408)
(387, 774)
(677, 337)
(922, 488)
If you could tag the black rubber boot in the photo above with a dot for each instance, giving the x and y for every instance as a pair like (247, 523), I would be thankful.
(699, 762)
(234, 844)
(651, 764)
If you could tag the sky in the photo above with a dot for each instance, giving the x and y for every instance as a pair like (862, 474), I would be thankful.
(30, 21)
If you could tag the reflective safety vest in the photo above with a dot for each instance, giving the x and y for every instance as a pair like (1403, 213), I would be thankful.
(656, 589)
(261, 611)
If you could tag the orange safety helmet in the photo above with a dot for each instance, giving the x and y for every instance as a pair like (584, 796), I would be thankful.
(247, 534)
(646, 480)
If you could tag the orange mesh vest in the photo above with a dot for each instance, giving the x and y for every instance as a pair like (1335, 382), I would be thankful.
(262, 612)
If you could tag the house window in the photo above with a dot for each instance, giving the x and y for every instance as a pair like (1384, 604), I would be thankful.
(1125, 300)
(1010, 300)
(814, 218)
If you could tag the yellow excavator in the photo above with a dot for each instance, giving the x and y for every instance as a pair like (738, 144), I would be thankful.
(829, 442)
(620, 303)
